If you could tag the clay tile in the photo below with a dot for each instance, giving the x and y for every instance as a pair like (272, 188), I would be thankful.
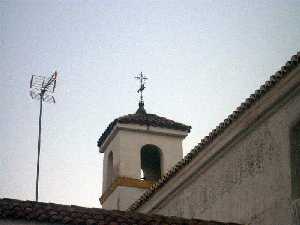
(268, 84)
(42, 217)
(17, 208)
(30, 216)
(91, 222)
(113, 223)
(38, 212)
(14, 204)
(262, 87)
(294, 58)
(258, 92)
(4, 214)
(56, 218)
(199, 145)
(227, 121)
(290, 64)
(278, 74)
(283, 68)
(52, 212)
(99, 217)
(75, 214)
(236, 112)
(245, 105)
(67, 220)
(28, 210)
(79, 221)
(20, 214)
(63, 213)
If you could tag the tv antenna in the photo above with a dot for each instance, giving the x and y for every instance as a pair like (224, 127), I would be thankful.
(42, 89)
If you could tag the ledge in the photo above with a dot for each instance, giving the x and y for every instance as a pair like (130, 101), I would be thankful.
(125, 182)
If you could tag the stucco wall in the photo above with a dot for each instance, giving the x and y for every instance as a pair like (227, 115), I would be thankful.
(122, 197)
(248, 181)
(126, 142)
(114, 147)
(131, 144)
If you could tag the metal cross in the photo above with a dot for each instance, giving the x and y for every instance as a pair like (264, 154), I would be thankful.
(142, 79)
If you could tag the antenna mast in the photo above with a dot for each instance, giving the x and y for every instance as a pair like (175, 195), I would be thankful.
(42, 89)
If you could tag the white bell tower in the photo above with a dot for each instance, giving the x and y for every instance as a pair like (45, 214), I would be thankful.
(138, 150)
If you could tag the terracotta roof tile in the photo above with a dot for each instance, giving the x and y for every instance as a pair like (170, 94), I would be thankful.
(143, 119)
(274, 79)
(75, 215)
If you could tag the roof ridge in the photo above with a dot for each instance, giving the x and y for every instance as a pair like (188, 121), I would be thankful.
(253, 98)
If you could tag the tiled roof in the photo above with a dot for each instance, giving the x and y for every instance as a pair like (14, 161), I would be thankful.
(75, 215)
(274, 79)
(143, 118)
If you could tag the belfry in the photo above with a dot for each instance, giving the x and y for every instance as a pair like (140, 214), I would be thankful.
(138, 150)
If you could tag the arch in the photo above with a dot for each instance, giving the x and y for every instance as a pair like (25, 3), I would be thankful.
(110, 169)
(295, 161)
(151, 165)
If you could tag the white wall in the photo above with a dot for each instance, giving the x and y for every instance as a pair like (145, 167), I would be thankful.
(131, 143)
(115, 149)
(122, 197)
(126, 142)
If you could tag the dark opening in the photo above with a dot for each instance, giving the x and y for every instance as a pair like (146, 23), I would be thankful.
(295, 162)
(110, 169)
(150, 163)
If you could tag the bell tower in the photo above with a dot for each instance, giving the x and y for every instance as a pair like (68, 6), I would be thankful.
(138, 150)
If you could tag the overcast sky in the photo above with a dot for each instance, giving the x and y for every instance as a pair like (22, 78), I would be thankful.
(202, 58)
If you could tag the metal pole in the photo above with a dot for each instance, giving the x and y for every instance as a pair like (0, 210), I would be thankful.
(39, 148)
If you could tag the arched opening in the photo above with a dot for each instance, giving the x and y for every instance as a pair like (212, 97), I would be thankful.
(150, 163)
(110, 169)
(295, 162)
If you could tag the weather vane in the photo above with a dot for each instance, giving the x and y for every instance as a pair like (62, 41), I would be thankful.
(142, 79)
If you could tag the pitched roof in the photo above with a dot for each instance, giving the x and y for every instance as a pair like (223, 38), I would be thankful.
(143, 118)
(76, 215)
(258, 94)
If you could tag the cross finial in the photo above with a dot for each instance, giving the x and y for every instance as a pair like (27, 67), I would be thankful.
(142, 79)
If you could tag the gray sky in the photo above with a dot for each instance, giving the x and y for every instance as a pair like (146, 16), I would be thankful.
(203, 59)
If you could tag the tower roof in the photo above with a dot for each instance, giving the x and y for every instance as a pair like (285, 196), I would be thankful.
(141, 117)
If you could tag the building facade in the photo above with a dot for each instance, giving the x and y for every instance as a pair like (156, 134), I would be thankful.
(247, 170)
